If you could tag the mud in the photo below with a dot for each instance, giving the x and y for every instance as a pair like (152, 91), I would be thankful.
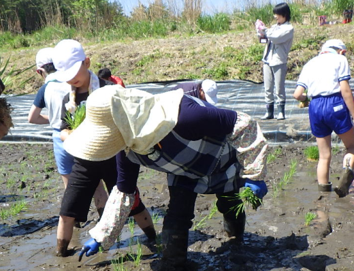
(276, 237)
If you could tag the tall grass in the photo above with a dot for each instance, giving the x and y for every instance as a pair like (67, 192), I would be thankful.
(157, 20)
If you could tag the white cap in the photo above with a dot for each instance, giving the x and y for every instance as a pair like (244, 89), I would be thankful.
(334, 43)
(67, 59)
(44, 56)
(211, 90)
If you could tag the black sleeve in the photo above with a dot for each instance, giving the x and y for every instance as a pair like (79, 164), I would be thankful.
(198, 119)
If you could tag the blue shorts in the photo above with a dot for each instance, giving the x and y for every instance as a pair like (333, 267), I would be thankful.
(328, 114)
(64, 160)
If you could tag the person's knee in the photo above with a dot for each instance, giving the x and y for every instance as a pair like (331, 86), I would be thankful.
(66, 219)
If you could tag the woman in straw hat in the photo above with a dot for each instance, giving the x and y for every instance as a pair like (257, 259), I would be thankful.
(195, 143)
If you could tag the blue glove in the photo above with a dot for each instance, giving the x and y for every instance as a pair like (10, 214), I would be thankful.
(90, 247)
(259, 188)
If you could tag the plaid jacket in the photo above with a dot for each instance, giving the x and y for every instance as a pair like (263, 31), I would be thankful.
(208, 165)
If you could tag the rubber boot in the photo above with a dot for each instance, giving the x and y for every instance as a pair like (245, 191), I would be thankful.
(270, 112)
(150, 233)
(281, 112)
(235, 228)
(62, 248)
(174, 250)
(344, 183)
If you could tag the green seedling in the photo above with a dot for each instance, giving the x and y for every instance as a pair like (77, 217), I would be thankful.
(248, 199)
(335, 150)
(274, 155)
(277, 187)
(309, 217)
(118, 264)
(155, 218)
(202, 223)
(14, 210)
(312, 153)
(77, 118)
(131, 225)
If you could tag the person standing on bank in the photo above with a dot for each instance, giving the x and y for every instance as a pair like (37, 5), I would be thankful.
(279, 39)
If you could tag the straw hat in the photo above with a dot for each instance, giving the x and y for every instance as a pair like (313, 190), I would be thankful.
(119, 118)
(97, 138)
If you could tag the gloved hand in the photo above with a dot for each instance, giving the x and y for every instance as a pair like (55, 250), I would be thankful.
(90, 247)
(259, 188)
(260, 28)
(136, 199)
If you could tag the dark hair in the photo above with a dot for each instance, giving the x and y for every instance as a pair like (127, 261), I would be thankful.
(49, 68)
(284, 10)
(104, 73)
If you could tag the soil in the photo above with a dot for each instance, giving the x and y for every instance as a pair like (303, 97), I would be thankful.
(276, 237)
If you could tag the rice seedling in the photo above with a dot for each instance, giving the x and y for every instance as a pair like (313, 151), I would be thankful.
(274, 155)
(200, 224)
(309, 217)
(131, 225)
(118, 264)
(77, 118)
(137, 257)
(335, 149)
(13, 210)
(248, 199)
(155, 218)
(277, 187)
(312, 153)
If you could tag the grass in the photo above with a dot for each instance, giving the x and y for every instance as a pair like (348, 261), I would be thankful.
(309, 217)
(312, 153)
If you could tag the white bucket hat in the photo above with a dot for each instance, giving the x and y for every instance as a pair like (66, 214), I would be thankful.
(211, 90)
(44, 56)
(334, 43)
(119, 118)
(67, 59)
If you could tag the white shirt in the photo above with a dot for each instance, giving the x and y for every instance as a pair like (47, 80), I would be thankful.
(322, 74)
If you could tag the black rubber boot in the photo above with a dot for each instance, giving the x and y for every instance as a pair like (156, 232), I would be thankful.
(281, 112)
(150, 233)
(174, 250)
(270, 112)
(235, 228)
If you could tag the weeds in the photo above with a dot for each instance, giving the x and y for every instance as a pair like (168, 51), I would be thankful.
(309, 217)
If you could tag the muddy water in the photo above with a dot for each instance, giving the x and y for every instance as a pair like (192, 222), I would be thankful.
(276, 236)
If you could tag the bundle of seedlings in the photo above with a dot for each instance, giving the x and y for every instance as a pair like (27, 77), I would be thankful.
(248, 198)
(75, 119)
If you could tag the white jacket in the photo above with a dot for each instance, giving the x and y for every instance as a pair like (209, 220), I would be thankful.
(280, 38)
